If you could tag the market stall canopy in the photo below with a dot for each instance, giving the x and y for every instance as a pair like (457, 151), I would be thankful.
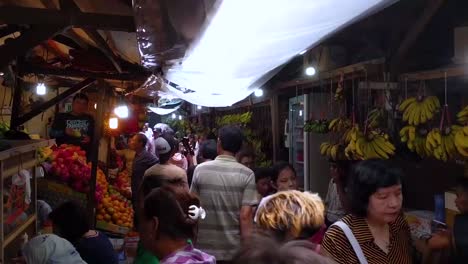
(241, 47)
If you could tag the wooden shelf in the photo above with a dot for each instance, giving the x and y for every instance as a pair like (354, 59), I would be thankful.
(23, 146)
(18, 230)
(12, 171)
(452, 71)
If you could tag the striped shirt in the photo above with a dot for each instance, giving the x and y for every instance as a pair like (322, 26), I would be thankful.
(224, 186)
(338, 247)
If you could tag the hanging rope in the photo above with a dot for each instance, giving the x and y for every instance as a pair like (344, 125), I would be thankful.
(406, 87)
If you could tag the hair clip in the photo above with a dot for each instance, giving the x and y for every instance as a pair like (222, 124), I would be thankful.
(196, 212)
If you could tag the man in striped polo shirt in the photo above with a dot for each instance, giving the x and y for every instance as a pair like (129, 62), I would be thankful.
(227, 192)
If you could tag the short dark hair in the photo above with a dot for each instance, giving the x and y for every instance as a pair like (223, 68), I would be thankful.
(80, 96)
(72, 220)
(262, 173)
(142, 139)
(262, 249)
(279, 167)
(171, 208)
(246, 151)
(231, 138)
(365, 179)
(208, 149)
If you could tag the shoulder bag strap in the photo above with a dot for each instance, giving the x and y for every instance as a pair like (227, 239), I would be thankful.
(352, 240)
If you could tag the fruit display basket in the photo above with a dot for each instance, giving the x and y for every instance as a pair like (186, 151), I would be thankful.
(56, 193)
(109, 227)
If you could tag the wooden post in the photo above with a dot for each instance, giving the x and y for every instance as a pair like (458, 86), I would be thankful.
(98, 131)
(16, 106)
(275, 132)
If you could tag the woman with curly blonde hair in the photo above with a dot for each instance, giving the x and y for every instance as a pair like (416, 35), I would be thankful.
(291, 215)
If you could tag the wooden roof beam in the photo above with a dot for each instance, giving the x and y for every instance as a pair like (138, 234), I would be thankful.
(42, 16)
(413, 33)
(71, 6)
(28, 39)
(139, 76)
(57, 99)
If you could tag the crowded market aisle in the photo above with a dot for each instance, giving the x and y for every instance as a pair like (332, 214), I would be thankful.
(180, 132)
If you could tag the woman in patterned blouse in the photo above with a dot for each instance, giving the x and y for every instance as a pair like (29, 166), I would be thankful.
(375, 232)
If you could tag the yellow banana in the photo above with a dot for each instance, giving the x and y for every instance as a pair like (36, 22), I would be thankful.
(406, 103)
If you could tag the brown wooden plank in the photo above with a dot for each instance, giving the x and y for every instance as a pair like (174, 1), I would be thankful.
(453, 71)
(137, 76)
(42, 16)
(413, 33)
(28, 39)
(320, 76)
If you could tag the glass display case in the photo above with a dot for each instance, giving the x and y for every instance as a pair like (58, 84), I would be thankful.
(297, 153)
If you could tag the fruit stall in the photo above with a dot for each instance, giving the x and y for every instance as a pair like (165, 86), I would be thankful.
(18, 184)
(68, 178)
(420, 123)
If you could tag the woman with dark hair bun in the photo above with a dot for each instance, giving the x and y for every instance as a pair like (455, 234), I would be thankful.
(168, 221)
(375, 232)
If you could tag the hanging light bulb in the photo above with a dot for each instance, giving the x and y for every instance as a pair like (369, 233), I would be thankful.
(199, 107)
(113, 123)
(258, 92)
(300, 112)
(95, 105)
(121, 111)
(174, 116)
(310, 71)
(180, 117)
(40, 89)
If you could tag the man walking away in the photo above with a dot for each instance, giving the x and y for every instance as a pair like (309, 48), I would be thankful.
(143, 161)
(227, 192)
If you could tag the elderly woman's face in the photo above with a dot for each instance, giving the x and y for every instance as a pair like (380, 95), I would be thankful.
(385, 204)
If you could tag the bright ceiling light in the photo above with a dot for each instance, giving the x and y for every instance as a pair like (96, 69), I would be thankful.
(302, 52)
(95, 106)
(121, 111)
(113, 123)
(40, 89)
(2, 73)
(310, 71)
(258, 92)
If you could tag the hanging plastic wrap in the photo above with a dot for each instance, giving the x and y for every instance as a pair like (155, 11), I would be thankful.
(247, 41)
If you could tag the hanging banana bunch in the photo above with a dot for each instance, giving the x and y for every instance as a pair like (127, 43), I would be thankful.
(419, 110)
(319, 126)
(374, 117)
(415, 139)
(461, 141)
(373, 145)
(332, 151)
(463, 116)
(339, 124)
